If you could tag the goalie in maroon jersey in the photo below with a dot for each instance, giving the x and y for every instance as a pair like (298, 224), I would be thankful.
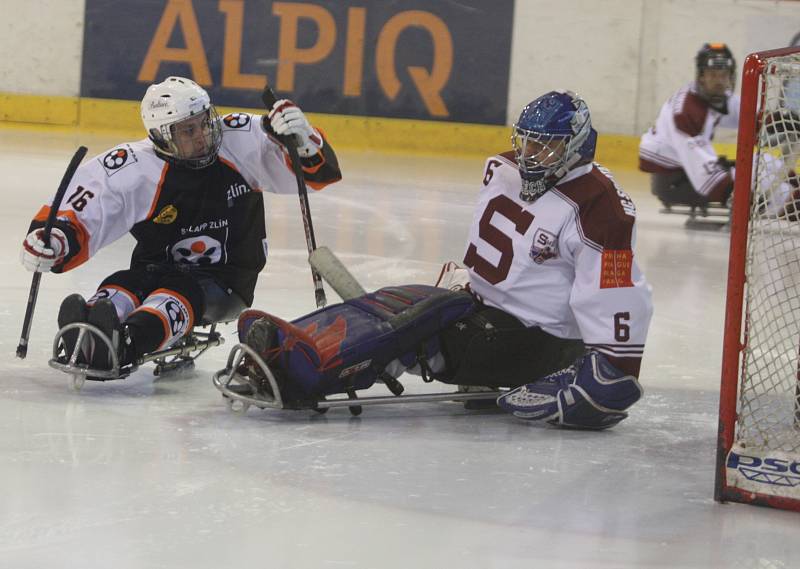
(677, 152)
(191, 196)
(557, 308)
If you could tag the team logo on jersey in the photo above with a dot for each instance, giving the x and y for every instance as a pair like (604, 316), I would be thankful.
(117, 159)
(236, 190)
(545, 246)
(167, 215)
(198, 250)
(237, 120)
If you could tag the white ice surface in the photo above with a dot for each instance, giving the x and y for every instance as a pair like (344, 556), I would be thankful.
(146, 473)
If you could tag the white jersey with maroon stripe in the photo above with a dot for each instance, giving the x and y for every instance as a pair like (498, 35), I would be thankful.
(564, 262)
(681, 139)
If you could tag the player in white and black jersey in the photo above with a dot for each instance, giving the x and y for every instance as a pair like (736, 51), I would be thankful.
(677, 150)
(558, 311)
(191, 196)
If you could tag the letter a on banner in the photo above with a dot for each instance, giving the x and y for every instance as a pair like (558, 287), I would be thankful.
(177, 12)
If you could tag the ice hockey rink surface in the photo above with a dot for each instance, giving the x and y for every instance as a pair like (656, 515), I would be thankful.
(157, 472)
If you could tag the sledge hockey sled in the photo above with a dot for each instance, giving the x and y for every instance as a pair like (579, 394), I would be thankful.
(178, 358)
(247, 380)
(707, 217)
(241, 393)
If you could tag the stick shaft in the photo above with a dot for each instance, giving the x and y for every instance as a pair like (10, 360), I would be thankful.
(308, 224)
(268, 98)
(22, 348)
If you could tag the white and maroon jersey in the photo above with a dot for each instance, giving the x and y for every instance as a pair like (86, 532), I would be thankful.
(681, 138)
(210, 219)
(564, 262)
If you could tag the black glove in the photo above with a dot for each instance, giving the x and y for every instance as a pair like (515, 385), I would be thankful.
(725, 163)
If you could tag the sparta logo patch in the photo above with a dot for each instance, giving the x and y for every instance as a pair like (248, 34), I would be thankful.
(167, 215)
(544, 247)
(237, 120)
(117, 159)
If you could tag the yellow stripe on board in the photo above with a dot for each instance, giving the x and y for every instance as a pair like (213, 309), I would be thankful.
(38, 109)
(350, 132)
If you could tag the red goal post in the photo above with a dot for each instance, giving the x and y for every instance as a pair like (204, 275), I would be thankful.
(758, 444)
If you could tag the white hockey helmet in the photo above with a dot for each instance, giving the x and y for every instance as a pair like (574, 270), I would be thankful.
(169, 112)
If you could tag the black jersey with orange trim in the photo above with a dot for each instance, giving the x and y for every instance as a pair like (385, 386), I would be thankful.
(210, 219)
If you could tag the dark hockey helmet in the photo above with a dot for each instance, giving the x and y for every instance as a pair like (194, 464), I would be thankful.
(182, 123)
(553, 135)
(715, 56)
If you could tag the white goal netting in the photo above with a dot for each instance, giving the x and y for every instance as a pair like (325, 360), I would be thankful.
(769, 392)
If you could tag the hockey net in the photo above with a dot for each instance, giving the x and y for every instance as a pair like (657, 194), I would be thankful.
(758, 454)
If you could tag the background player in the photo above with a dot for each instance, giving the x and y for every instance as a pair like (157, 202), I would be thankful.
(677, 149)
(190, 194)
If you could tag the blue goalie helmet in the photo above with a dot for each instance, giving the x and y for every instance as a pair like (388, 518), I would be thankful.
(553, 135)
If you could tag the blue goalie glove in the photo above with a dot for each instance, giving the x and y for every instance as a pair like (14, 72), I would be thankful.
(590, 394)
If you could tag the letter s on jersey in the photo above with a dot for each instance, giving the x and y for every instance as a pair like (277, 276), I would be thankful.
(521, 219)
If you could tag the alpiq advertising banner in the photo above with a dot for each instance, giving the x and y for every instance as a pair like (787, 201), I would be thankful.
(430, 60)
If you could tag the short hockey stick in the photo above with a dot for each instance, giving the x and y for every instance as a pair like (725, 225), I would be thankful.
(22, 348)
(269, 98)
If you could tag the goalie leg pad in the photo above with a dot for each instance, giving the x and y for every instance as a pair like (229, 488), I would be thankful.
(591, 394)
(345, 347)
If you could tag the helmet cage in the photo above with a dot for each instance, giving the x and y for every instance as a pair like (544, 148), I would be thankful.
(539, 154)
(165, 138)
(172, 107)
(554, 153)
(715, 56)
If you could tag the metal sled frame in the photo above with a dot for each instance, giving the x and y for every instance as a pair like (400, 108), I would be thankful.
(694, 211)
(239, 402)
(178, 357)
(701, 217)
